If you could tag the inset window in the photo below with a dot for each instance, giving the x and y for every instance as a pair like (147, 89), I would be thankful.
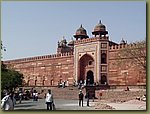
(104, 79)
(35, 82)
(103, 68)
(103, 58)
(43, 83)
(90, 62)
(103, 45)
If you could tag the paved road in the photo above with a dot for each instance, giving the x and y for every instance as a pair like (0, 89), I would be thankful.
(61, 104)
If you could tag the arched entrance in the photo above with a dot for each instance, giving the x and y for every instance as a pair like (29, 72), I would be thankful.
(86, 63)
(89, 78)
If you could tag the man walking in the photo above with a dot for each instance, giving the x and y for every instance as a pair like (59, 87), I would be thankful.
(49, 100)
(81, 98)
(8, 102)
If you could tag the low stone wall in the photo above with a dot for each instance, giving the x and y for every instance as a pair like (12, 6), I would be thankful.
(59, 93)
(114, 95)
(118, 95)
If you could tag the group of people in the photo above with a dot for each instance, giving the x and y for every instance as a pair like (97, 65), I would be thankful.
(35, 95)
(8, 102)
(63, 84)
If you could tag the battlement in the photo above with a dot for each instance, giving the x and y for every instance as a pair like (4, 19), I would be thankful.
(39, 58)
(94, 39)
(122, 46)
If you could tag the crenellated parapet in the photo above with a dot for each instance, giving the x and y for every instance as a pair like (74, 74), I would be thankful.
(122, 46)
(39, 58)
(95, 39)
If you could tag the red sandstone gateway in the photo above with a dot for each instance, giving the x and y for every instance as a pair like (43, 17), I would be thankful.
(91, 61)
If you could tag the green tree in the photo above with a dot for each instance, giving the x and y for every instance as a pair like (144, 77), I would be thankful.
(10, 79)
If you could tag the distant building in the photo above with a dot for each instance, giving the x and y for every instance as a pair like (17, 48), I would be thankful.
(87, 60)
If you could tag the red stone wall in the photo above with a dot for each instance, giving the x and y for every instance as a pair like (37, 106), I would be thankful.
(48, 70)
(124, 73)
(45, 72)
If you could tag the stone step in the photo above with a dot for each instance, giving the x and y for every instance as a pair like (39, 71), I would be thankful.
(62, 93)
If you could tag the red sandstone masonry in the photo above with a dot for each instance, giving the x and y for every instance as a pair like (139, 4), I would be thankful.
(116, 73)
(49, 66)
(56, 67)
(121, 46)
(90, 40)
(39, 58)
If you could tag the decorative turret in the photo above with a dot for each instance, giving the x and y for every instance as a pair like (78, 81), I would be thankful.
(81, 33)
(71, 43)
(100, 29)
(123, 42)
(62, 43)
(63, 47)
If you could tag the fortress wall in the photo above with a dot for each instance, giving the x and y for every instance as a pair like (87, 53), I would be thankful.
(45, 70)
(123, 71)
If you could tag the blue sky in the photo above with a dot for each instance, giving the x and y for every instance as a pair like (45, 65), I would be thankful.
(34, 28)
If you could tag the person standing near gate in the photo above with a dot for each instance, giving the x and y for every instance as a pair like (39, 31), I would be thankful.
(49, 100)
(81, 95)
(88, 98)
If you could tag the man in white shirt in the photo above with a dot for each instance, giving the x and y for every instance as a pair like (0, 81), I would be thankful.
(49, 100)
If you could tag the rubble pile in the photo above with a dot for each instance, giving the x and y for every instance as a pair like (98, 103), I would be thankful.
(101, 106)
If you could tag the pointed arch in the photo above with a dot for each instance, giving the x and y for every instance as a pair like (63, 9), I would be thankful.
(86, 63)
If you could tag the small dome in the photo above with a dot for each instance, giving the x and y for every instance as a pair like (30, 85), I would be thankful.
(100, 27)
(123, 41)
(71, 42)
(81, 31)
(63, 42)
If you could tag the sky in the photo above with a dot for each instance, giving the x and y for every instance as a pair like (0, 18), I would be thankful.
(31, 29)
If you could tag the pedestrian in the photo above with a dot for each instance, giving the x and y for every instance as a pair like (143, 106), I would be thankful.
(93, 96)
(49, 100)
(20, 96)
(81, 95)
(67, 83)
(87, 97)
(127, 88)
(8, 102)
(34, 93)
(31, 92)
(36, 96)
(74, 83)
(64, 84)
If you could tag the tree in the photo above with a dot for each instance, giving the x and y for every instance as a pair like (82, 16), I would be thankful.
(136, 54)
(10, 79)
(2, 47)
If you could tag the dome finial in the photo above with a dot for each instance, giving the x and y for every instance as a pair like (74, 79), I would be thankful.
(81, 26)
(72, 38)
(122, 41)
(100, 22)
